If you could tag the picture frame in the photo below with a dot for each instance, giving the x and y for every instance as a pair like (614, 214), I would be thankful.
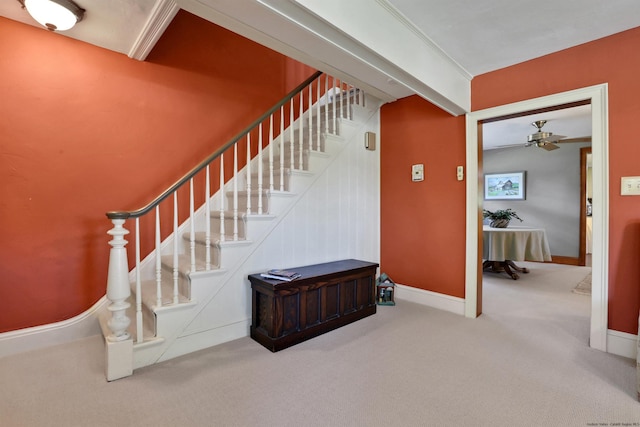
(505, 186)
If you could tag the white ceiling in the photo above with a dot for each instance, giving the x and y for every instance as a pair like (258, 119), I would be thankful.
(480, 35)
(111, 24)
(485, 35)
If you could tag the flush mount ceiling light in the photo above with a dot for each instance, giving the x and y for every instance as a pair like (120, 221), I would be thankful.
(55, 15)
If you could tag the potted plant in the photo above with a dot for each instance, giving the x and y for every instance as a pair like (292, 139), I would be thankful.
(500, 218)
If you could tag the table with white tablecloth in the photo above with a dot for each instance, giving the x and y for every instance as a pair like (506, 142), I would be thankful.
(503, 246)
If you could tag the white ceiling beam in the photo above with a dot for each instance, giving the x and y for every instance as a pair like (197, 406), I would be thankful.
(293, 30)
(414, 59)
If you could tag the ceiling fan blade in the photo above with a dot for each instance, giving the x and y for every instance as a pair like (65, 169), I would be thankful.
(579, 139)
(507, 146)
(548, 146)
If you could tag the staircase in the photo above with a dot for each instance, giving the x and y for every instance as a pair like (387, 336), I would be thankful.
(306, 193)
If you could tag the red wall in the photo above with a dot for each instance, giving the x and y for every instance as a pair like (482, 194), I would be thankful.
(614, 60)
(422, 223)
(84, 131)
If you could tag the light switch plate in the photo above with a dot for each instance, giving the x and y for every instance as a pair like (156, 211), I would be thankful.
(630, 186)
(417, 172)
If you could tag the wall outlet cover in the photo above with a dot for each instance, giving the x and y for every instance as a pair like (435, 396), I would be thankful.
(630, 186)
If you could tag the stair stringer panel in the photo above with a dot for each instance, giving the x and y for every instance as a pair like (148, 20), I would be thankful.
(148, 264)
(307, 228)
(156, 329)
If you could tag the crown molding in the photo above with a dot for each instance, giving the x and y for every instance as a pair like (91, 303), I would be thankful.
(161, 16)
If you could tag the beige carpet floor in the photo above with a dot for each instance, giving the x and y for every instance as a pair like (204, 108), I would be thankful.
(524, 362)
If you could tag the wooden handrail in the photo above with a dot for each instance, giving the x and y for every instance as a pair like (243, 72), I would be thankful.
(139, 212)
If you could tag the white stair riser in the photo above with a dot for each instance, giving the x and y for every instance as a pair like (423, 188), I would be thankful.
(276, 179)
(242, 201)
(201, 250)
(287, 154)
(169, 324)
(148, 319)
(167, 280)
(229, 223)
(276, 168)
(322, 126)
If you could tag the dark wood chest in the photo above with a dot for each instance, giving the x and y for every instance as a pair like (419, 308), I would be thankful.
(326, 296)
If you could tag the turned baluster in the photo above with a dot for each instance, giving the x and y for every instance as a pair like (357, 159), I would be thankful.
(118, 290)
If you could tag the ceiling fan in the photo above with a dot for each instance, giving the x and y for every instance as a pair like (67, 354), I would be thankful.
(547, 140)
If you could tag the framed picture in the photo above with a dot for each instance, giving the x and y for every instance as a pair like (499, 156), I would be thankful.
(504, 186)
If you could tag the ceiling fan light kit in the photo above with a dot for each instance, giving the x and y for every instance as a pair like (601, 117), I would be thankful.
(540, 135)
(541, 139)
(547, 145)
(55, 15)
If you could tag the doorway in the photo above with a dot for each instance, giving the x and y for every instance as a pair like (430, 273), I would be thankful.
(551, 198)
(586, 200)
(597, 96)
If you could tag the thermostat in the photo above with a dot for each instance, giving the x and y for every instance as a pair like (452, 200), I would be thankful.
(417, 173)
(370, 141)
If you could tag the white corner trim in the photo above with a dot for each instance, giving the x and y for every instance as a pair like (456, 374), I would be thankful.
(161, 16)
(83, 325)
(431, 299)
(622, 344)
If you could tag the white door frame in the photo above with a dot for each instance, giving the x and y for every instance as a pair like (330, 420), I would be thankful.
(598, 95)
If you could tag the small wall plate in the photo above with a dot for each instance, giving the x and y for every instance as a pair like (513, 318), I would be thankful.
(417, 172)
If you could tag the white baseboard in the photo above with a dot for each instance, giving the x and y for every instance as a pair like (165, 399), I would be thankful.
(83, 325)
(87, 324)
(618, 343)
(431, 299)
(622, 344)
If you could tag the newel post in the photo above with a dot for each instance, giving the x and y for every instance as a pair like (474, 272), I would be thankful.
(118, 290)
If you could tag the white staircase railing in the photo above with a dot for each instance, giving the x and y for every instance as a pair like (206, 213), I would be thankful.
(197, 187)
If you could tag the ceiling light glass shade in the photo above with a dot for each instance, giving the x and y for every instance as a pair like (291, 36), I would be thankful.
(56, 15)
